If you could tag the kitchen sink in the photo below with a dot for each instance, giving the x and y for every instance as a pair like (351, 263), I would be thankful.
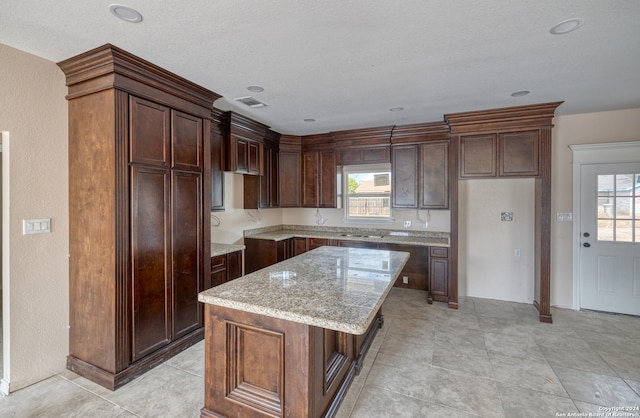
(361, 236)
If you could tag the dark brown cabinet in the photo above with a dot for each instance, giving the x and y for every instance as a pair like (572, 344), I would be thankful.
(439, 274)
(245, 145)
(219, 127)
(434, 175)
(290, 171)
(261, 253)
(319, 179)
(263, 191)
(507, 154)
(404, 176)
(139, 186)
(416, 270)
(361, 155)
(419, 164)
(225, 267)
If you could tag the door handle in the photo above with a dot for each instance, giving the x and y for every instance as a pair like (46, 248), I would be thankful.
(586, 244)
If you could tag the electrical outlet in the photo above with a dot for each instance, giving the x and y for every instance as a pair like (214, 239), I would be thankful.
(407, 224)
(405, 280)
(516, 252)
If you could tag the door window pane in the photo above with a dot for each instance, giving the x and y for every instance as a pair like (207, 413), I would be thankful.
(618, 207)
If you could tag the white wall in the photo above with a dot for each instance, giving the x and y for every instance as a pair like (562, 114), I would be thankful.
(588, 128)
(488, 266)
(33, 111)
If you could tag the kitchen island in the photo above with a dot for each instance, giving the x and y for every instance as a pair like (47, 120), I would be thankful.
(287, 340)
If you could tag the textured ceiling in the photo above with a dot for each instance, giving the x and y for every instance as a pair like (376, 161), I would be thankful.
(346, 63)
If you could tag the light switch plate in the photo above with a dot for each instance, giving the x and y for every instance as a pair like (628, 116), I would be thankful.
(564, 217)
(36, 226)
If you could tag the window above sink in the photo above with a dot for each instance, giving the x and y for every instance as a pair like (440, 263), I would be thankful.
(367, 193)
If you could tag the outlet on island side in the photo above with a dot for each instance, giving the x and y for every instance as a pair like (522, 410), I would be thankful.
(407, 224)
(405, 280)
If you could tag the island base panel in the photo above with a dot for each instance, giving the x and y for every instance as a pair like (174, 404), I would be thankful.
(258, 366)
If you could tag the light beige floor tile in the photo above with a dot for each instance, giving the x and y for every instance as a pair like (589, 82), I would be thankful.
(634, 384)
(376, 402)
(498, 325)
(522, 346)
(468, 360)
(57, 397)
(525, 403)
(596, 389)
(163, 391)
(190, 360)
(414, 381)
(460, 338)
(575, 353)
(466, 392)
(534, 374)
(439, 411)
(625, 363)
(413, 349)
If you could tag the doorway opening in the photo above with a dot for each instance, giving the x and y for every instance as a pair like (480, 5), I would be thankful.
(606, 228)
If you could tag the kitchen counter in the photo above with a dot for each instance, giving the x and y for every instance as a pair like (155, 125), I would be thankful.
(282, 232)
(221, 249)
(337, 288)
(287, 340)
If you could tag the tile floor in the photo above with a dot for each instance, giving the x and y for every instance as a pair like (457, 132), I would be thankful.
(488, 359)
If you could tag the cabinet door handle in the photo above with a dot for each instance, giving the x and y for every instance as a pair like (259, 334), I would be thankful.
(586, 244)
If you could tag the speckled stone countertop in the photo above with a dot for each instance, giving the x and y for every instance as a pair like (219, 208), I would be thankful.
(337, 288)
(221, 249)
(281, 232)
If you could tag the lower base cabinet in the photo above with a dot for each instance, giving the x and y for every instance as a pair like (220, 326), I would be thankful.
(427, 268)
(225, 267)
(297, 370)
(438, 274)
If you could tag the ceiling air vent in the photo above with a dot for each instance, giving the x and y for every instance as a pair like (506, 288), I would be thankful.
(251, 102)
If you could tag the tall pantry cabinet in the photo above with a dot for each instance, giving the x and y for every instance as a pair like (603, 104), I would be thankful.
(139, 202)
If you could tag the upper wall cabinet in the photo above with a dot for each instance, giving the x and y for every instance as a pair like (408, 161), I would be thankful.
(289, 174)
(363, 146)
(318, 172)
(505, 154)
(263, 191)
(245, 145)
(219, 132)
(420, 165)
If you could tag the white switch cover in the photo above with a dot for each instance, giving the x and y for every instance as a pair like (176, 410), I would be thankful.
(36, 226)
(564, 217)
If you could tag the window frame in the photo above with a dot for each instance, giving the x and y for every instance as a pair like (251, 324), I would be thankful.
(364, 169)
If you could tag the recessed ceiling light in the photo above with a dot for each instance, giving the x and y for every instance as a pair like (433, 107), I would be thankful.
(520, 93)
(567, 26)
(397, 109)
(125, 13)
(255, 89)
(309, 120)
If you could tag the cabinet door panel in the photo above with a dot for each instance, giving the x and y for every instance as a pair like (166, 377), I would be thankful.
(439, 279)
(149, 126)
(234, 265)
(434, 159)
(299, 246)
(404, 176)
(274, 185)
(253, 158)
(217, 170)
(327, 179)
(186, 141)
(478, 156)
(519, 153)
(289, 179)
(150, 249)
(187, 249)
(241, 153)
(310, 179)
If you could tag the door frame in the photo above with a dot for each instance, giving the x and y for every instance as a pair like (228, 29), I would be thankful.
(605, 153)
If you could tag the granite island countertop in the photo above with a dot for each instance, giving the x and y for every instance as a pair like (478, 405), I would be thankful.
(282, 232)
(337, 288)
(221, 249)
